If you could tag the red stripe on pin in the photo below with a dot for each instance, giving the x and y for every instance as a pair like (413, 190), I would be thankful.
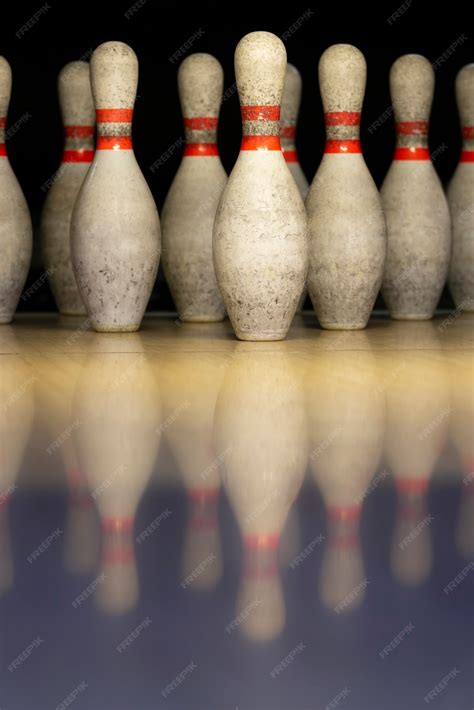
(114, 115)
(78, 131)
(287, 131)
(200, 149)
(342, 118)
(260, 113)
(343, 512)
(412, 485)
(467, 132)
(3, 121)
(412, 128)
(114, 143)
(467, 156)
(206, 123)
(291, 156)
(351, 145)
(413, 153)
(78, 156)
(3, 150)
(260, 143)
(262, 542)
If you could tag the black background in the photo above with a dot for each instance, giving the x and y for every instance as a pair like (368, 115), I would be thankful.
(156, 31)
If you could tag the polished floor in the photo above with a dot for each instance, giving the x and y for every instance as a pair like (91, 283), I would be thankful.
(192, 522)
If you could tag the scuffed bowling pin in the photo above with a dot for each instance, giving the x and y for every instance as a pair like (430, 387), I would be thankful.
(260, 239)
(347, 234)
(461, 199)
(418, 224)
(16, 239)
(77, 108)
(115, 229)
(190, 206)
(290, 106)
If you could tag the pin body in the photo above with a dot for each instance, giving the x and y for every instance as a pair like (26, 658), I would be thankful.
(77, 109)
(190, 207)
(260, 239)
(461, 199)
(347, 235)
(15, 222)
(418, 224)
(115, 229)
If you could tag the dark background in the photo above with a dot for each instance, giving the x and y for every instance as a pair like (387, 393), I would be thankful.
(68, 30)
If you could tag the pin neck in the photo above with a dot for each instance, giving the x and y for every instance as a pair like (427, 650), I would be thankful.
(201, 136)
(412, 140)
(342, 132)
(3, 149)
(260, 128)
(78, 144)
(114, 128)
(287, 139)
(203, 509)
(467, 153)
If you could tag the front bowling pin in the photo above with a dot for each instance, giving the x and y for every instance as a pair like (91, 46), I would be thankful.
(16, 239)
(190, 206)
(115, 229)
(347, 234)
(260, 238)
(461, 199)
(418, 224)
(77, 107)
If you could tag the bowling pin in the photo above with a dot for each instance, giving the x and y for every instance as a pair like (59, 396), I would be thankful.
(461, 199)
(190, 206)
(347, 235)
(16, 241)
(418, 224)
(260, 421)
(77, 108)
(260, 235)
(290, 106)
(115, 229)
(117, 403)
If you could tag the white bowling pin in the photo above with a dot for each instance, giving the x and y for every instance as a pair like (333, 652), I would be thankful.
(461, 199)
(190, 206)
(346, 226)
(260, 235)
(77, 108)
(290, 107)
(16, 241)
(418, 224)
(115, 229)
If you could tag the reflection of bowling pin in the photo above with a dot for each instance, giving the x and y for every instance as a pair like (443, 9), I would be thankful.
(260, 241)
(418, 225)
(418, 409)
(189, 384)
(461, 199)
(16, 416)
(115, 230)
(190, 206)
(347, 236)
(260, 421)
(290, 106)
(462, 427)
(15, 221)
(77, 109)
(346, 418)
(118, 407)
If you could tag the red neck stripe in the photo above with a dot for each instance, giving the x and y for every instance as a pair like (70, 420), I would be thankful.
(342, 118)
(344, 512)
(79, 131)
(114, 115)
(343, 145)
(291, 156)
(200, 149)
(78, 156)
(260, 113)
(3, 121)
(412, 485)
(206, 123)
(117, 524)
(198, 495)
(468, 133)
(413, 153)
(467, 156)
(412, 128)
(262, 542)
(287, 132)
(114, 143)
(260, 143)
(3, 150)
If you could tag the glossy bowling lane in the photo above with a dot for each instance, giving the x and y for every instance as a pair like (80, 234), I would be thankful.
(188, 521)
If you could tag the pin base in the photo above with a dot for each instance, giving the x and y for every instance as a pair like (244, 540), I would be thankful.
(343, 326)
(261, 337)
(116, 328)
(411, 316)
